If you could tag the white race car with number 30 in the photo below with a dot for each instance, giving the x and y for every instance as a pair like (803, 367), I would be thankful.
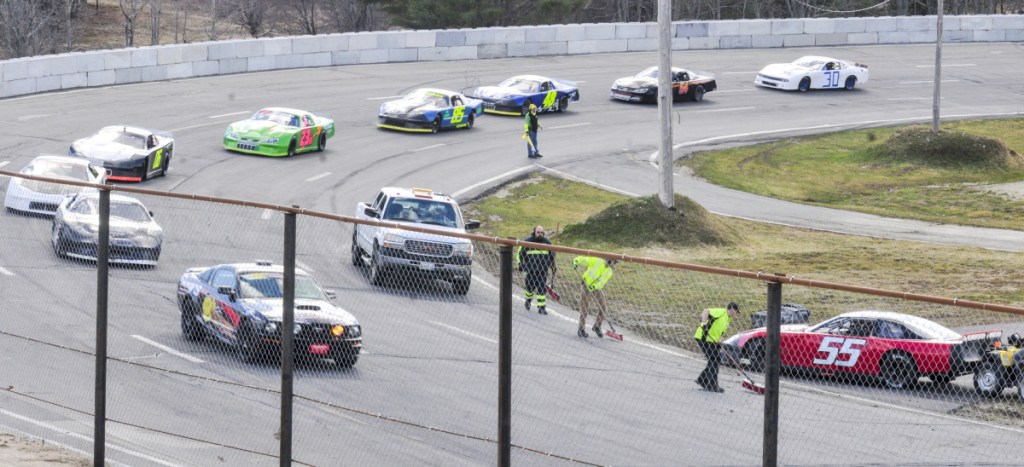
(813, 72)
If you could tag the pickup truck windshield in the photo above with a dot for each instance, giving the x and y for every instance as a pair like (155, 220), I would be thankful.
(422, 211)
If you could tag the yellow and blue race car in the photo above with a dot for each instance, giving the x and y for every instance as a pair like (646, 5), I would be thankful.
(514, 95)
(429, 110)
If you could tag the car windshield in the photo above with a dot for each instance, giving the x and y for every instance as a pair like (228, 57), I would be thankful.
(520, 84)
(119, 136)
(58, 169)
(651, 72)
(281, 118)
(423, 211)
(809, 62)
(271, 285)
(427, 97)
(120, 209)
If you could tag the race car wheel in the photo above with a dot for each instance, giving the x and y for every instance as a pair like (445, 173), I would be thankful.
(436, 125)
(563, 104)
(357, 253)
(166, 164)
(698, 94)
(245, 344)
(805, 84)
(851, 82)
(58, 241)
(755, 353)
(988, 379)
(469, 122)
(526, 107)
(898, 371)
(1020, 386)
(322, 144)
(376, 271)
(189, 320)
(461, 287)
(291, 149)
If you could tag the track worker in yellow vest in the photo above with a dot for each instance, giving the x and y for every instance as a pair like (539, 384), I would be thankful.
(713, 323)
(535, 263)
(596, 273)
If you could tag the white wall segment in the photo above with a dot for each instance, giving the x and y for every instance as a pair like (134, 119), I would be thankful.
(179, 61)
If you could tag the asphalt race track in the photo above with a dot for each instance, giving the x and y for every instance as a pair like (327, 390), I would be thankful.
(425, 392)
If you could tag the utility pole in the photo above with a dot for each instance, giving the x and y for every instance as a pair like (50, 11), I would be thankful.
(938, 69)
(665, 161)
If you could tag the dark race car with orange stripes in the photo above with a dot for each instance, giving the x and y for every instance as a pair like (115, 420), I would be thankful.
(242, 306)
(643, 87)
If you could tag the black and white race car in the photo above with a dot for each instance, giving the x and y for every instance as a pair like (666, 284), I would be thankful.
(131, 154)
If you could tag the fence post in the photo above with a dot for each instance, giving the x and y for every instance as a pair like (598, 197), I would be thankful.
(288, 340)
(99, 454)
(771, 373)
(505, 357)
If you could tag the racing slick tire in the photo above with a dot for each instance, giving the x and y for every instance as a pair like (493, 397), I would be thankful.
(165, 166)
(850, 83)
(563, 104)
(291, 148)
(898, 370)
(756, 354)
(988, 379)
(357, 253)
(805, 85)
(246, 345)
(57, 240)
(470, 121)
(435, 126)
(698, 94)
(189, 325)
(322, 143)
(376, 271)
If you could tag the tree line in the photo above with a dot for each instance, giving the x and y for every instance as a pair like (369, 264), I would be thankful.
(36, 27)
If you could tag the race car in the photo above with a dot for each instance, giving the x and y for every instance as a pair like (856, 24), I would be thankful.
(242, 306)
(895, 347)
(279, 131)
(812, 72)
(37, 197)
(514, 95)
(131, 154)
(643, 87)
(135, 238)
(429, 110)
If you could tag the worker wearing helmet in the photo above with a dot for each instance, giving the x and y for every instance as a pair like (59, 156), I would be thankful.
(713, 323)
(531, 124)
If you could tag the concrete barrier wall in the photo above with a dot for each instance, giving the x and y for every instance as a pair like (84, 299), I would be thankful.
(110, 67)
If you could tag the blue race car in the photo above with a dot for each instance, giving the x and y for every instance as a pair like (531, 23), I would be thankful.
(514, 95)
(430, 110)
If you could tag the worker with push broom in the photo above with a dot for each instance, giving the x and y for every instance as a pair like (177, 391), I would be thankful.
(713, 323)
(596, 273)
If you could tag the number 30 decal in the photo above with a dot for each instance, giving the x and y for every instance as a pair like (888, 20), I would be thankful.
(836, 346)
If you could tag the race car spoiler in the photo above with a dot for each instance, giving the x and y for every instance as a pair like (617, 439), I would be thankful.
(965, 355)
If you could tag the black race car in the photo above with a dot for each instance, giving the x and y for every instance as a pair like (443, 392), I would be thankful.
(242, 305)
(643, 87)
(135, 238)
(131, 154)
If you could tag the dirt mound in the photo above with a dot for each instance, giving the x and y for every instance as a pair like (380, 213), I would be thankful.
(947, 149)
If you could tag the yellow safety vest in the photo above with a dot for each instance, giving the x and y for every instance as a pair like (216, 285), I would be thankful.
(719, 318)
(597, 271)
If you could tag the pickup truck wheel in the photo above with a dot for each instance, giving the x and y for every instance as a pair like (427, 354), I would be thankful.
(376, 271)
(357, 253)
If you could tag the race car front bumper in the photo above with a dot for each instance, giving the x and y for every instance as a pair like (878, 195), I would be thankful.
(401, 124)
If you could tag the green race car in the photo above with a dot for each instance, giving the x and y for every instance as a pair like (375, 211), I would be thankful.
(279, 131)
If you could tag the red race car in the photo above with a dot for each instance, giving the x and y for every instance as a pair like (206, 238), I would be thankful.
(895, 347)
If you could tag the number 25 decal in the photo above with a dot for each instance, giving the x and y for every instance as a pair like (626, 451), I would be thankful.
(836, 346)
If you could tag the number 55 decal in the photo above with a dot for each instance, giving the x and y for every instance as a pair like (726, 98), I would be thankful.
(836, 346)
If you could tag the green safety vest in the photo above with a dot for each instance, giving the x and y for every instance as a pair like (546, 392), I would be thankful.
(719, 318)
(597, 271)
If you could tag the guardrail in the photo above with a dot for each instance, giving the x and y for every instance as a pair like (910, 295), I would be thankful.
(181, 61)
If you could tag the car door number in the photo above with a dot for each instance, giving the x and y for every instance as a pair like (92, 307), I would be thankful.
(831, 79)
(307, 137)
(549, 100)
(833, 347)
(457, 114)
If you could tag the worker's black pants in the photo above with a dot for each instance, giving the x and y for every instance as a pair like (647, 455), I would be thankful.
(709, 377)
(537, 285)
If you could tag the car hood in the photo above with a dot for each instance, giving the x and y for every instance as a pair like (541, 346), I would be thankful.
(259, 127)
(784, 70)
(407, 107)
(119, 227)
(497, 92)
(47, 188)
(105, 151)
(636, 82)
(306, 311)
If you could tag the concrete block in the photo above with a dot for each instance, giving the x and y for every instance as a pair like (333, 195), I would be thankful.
(144, 57)
(683, 43)
(766, 41)
(571, 32)
(115, 59)
(723, 28)
(630, 31)
(641, 45)
(432, 54)
(950, 23)
(251, 48)
(345, 57)
(40, 66)
(880, 25)
(194, 53)
(485, 51)
(232, 65)
(420, 39)
(972, 23)
(402, 55)
(74, 80)
(48, 83)
(277, 46)
(362, 41)
(830, 39)
(995, 35)
(90, 61)
(449, 39)
(479, 36)
(1008, 22)
(466, 52)
(786, 27)
(915, 23)
(754, 27)
(1014, 35)
(957, 36)
(819, 26)
(512, 36)
(264, 63)
(205, 68)
(694, 29)
(155, 73)
(179, 70)
(797, 40)
(652, 30)
(314, 60)
(307, 44)
(20, 87)
(3, 90)
(374, 56)
(703, 43)
(553, 48)
(848, 25)
(222, 50)
(127, 75)
(523, 49)
(599, 32)
(901, 37)
(595, 46)
(734, 42)
(861, 38)
(331, 43)
(168, 54)
(391, 40)
(540, 33)
(15, 69)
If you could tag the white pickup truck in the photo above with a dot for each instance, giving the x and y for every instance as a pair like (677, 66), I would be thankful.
(387, 250)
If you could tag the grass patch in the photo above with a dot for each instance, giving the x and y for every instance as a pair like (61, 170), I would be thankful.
(897, 172)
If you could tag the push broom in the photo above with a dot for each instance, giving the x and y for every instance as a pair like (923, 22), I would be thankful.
(747, 382)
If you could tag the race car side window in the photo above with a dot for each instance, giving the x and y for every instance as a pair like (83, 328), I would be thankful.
(890, 330)
(205, 276)
(223, 278)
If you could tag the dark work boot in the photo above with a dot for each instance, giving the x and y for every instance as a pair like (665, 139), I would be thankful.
(597, 331)
(581, 333)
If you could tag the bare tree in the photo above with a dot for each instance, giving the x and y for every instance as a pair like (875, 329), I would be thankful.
(353, 15)
(154, 15)
(306, 15)
(257, 17)
(26, 27)
(131, 9)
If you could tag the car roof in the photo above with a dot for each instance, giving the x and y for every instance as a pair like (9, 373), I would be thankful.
(675, 69)
(401, 192)
(261, 267)
(916, 322)
(127, 129)
(94, 193)
(532, 77)
(285, 110)
(435, 90)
